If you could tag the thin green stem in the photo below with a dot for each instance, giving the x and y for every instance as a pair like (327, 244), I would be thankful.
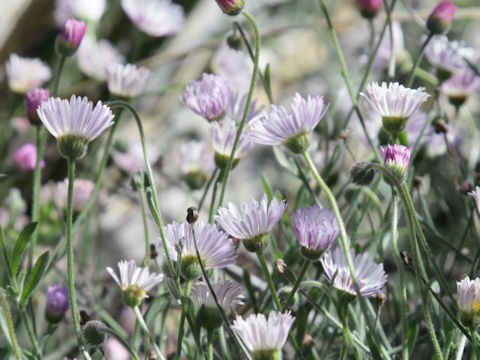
(31, 335)
(204, 195)
(11, 328)
(348, 335)
(263, 264)
(143, 325)
(431, 328)
(185, 299)
(461, 348)
(474, 343)
(56, 80)
(109, 331)
(214, 195)
(304, 269)
(210, 345)
(229, 165)
(146, 260)
(411, 77)
(70, 262)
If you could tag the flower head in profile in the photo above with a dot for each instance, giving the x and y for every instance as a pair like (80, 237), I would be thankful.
(441, 17)
(208, 97)
(34, 98)
(58, 302)
(155, 17)
(231, 7)
(475, 194)
(370, 276)
(468, 298)
(24, 74)
(264, 337)
(369, 8)
(397, 160)
(292, 128)
(134, 281)
(196, 162)
(215, 248)
(222, 136)
(252, 221)
(74, 123)
(316, 229)
(395, 103)
(95, 57)
(460, 86)
(71, 36)
(26, 156)
(126, 81)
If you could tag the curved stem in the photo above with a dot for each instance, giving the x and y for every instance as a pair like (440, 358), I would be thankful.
(411, 77)
(185, 298)
(31, 335)
(304, 269)
(145, 329)
(229, 165)
(109, 331)
(263, 264)
(11, 328)
(210, 345)
(56, 80)
(146, 260)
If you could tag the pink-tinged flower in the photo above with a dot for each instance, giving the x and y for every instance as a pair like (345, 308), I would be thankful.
(264, 337)
(370, 276)
(26, 156)
(24, 74)
(290, 129)
(397, 160)
(34, 99)
(126, 81)
(71, 36)
(215, 248)
(234, 65)
(82, 192)
(369, 8)
(196, 163)
(394, 103)
(87, 10)
(95, 57)
(460, 86)
(252, 221)
(476, 196)
(74, 123)
(134, 281)
(231, 7)
(441, 17)
(468, 298)
(155, 17)
(115, 350)
(222, 137)
(316, 229)
(237, 105)
(58, 302)
(208, 97)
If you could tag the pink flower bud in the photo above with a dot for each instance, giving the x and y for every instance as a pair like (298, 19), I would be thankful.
(26, 156)
(34, 99)
(231, 7)
(369, 8)
(71, 36)
(441, 17)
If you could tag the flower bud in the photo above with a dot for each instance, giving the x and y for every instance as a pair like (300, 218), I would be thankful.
(70, 38)
(26, 156)
(397, 159)
(34, 99)
(192, 215)
(369, 8)
(91, 334)
(231, 7)
(441, 17)
(210, 318)
(190, 267)
(280, 267)
(361, 174)
(58, 302)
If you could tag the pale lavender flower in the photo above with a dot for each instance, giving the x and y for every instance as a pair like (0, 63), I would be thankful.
(462, 84)
(370, 276)
(88, 10)
(24, 74)
(385, 50)
(197, 163)
(134, 281)
(155, 17)
(229, 293)
(114, 350)
(73, 32)
(26, 156)
(82, 192)
(264, 336)
(58, 302)
(397, 160)
(222, 137)
(234, 65)
(476, 196)
(208, 97)
(252, 221)
(468, 298)
(34, 98)
(126, 81)
(395, 103)
(95, 57)
(290, 129)
(231, 7)
(316, 229)
(237, 106)
(215, 248)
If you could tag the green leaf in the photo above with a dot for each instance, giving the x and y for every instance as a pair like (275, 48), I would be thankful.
(20, 245)
(4, 251)
(373, 348)
(267, 187)
(284, 162)
(266, 75)
(34, 278)
(173, 288)
(412, 334)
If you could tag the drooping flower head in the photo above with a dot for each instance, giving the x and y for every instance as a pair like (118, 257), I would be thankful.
(26, 156)
(397, 160)
(395, 103)
(126, 81)
(70, 38)
(228, 293)
(252, 221)
(208, 97)
(215, 248)
(58, 302)
(196, 163)
(222, 136)
(74, 123)
(34, 99)
(290, 129)
(134, 281)
(26, 74)
(460, 86)
(82, 192)
(264, 337)
(468, 298)
(155, 17)
(231, 7)
(441, 17)
(370, 276)
(476, 196)
(369, 8)
(316, 229)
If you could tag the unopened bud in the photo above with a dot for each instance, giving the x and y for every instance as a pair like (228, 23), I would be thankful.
(380, 300)
(440, 126)
(153, 251)
(192, 215)
(361, 173)
(441, 17)
(307, 342)
(280, 267)
(369, 8)
(91, 334)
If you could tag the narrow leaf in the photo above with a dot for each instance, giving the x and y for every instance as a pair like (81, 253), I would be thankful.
(34, 278)
(20, 246)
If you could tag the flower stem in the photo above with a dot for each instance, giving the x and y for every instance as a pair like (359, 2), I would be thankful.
(71, 281)
(31, 335)
(145, 329)
(461, 348)
(207, 187)
(11, 328)
(186, 295)
(263, 264)
(56, 80)
(146, 260)
(210, 345)
(229, 165)
(304, 269)
(109, 331)
(411, 77)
